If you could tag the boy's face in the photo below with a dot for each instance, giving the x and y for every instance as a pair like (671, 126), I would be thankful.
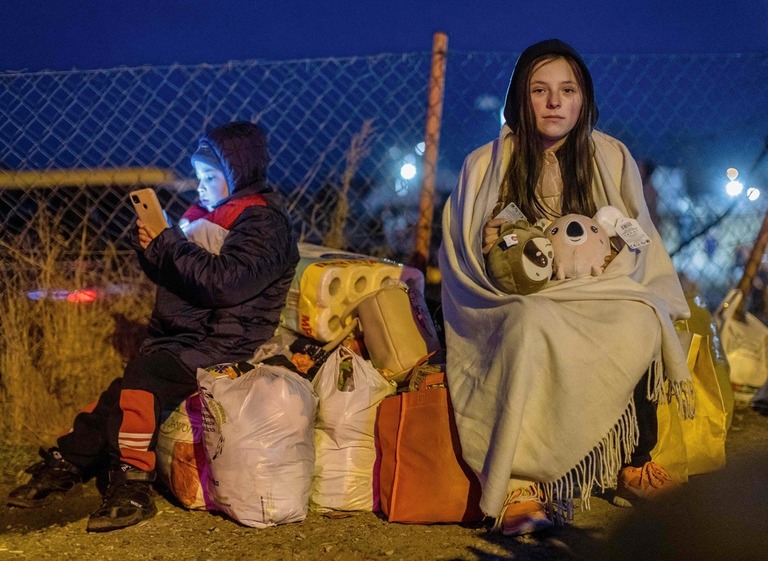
(212, 187)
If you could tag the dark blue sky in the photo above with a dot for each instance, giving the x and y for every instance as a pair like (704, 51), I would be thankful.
(86, 34)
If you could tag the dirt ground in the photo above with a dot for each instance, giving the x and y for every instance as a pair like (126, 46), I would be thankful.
(728, 509)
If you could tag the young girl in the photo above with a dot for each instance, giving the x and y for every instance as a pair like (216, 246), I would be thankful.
(552, 390)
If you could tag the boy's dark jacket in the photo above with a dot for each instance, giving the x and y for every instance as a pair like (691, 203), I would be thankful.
(210, 307)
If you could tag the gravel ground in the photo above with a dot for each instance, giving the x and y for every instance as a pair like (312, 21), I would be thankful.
(604, 532)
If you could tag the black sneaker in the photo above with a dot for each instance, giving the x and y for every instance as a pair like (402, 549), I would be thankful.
(52, 479)
(128, 500)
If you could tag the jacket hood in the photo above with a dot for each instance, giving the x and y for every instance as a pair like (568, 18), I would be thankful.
(518, 91)
(241, 150)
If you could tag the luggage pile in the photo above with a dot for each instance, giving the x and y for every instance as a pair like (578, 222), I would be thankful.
(299, 426)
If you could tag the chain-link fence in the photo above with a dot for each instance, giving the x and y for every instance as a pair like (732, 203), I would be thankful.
(686, 118)
(74, 143)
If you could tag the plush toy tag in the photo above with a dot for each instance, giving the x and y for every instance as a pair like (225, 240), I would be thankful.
(631, 232)
(511, 213)
(510, 240)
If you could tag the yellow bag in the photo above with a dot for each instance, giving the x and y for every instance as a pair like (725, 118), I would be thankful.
(693, 446)
(702, 322)
(670, 450)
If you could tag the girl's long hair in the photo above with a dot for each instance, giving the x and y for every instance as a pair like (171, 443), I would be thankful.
(574, 156)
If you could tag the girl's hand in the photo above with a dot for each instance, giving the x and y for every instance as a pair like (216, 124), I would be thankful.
(609, 258)
(616, 246)
(491, 233)
(146, 234)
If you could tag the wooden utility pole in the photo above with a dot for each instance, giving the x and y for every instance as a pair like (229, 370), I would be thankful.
(420, 257)
(758, 250)
(753, 264)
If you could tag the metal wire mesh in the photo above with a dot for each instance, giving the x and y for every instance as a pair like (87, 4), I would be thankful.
(687, 117)
(692, 116)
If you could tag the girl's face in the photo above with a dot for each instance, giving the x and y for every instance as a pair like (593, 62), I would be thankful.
(556, 99)
(213, 187)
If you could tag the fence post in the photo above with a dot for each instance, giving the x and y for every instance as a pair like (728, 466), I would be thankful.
(420, 256)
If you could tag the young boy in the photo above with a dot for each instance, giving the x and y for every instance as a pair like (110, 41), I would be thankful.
(222, 275)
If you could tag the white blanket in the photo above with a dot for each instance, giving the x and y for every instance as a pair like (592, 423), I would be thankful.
(542, 384)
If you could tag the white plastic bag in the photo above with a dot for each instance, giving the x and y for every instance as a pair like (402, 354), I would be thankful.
(258, 436)
(746, 346)
(344, 430)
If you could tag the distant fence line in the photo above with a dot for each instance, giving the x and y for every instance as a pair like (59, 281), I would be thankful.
(691, 116)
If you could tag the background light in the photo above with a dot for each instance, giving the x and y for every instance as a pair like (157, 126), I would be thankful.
(732, 173)
(420, 147)
(408, 171)
(84, 296)
(734, 188)
(753, 193)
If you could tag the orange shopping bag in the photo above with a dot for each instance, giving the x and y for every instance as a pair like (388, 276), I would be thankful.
(422, 476)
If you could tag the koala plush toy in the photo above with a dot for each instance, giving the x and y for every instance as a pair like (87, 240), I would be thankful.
(520, 261)
(580, 246)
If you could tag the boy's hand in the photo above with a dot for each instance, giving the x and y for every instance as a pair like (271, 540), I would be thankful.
(146, 234)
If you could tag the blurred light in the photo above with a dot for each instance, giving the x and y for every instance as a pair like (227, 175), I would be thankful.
(734, 188)
(408, 171)
(78, 296)
(732, 173)
(753, 193)
(420, 147)
(487, 102)
(87, 295)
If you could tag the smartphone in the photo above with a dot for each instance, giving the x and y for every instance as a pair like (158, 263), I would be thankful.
(148, 209)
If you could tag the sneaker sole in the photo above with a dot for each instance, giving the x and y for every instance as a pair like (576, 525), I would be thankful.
(622, 502)
(108, 524)
(22, 502)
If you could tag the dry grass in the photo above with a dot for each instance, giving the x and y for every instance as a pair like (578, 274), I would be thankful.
(55, 355)
(359, 149)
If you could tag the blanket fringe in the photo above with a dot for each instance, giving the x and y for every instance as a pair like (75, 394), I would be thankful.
(686, 397)
(656, 387)
(659, 386)
(599, 467)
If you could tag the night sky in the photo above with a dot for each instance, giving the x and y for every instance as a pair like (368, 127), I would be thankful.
(89, 34)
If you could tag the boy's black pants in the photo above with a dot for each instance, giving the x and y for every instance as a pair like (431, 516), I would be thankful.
(122, 425)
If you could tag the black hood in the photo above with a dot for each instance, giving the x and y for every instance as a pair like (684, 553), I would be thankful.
(517, 91)
(241, 150)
